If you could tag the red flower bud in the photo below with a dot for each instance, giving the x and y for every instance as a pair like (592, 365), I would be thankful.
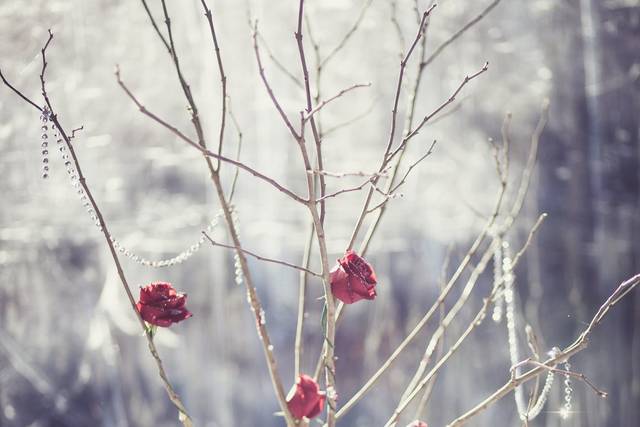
(161, 305)
(305, 398)
(353, 279)
(418, 423)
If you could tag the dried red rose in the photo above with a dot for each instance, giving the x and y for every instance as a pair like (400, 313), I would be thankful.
(305, 398)
(418, 423)
(353, 279)
(161, 305)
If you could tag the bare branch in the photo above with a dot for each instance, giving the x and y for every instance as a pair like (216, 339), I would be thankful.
(403, 65)
(303, 281)
(338, 95)
(347, 36)
(223, 77)
(202, 149)
(155, 26)
(459, 33)
(413, 165)
(581, 377)
(279, 64)
(428, 117)
(20, 94)
(263, 76)
(394, 114)
(261, 258)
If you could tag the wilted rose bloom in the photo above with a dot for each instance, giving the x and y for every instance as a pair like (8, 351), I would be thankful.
(305, 398)
(418, 423)
(161, 305)
(353, 279)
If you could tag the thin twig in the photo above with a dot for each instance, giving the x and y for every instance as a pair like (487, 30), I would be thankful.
(396, 24)
(263, 76)
(20, 94)
(236, 173)
(338, 95)
(348, 174)
(394, 115)
(429, 116)
(553, 369)
(203, 150)
(413, 165)
(223, 77)
(303, 280)
(459, 33)
(347, 36)
(261, 258)
(279, 64)
(310, 113)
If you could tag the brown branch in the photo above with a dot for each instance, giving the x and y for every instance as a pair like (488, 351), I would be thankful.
(261, 258)
(413, 165)
(396, 24)
(310, 110)
(252, 295)
(303, 281)
(263, 76)
(428, 117)
(392, 193)
(318, 220)
(347, 36)
(579, 376)
(20, 94)
(369, 181)
(279, 64)
(459, 33)
(155, 26)
(234, 181)
(223, 77)
(338, 95)
(202, 149)
(394, 114)
(403, 65)
(348, 174)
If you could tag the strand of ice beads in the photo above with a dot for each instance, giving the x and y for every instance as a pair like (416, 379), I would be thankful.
(74, 177)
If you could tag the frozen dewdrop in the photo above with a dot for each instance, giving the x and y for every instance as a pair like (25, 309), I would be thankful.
(270, 347)
(263, 317)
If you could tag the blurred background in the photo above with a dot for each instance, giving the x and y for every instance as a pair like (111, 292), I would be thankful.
(71, 352)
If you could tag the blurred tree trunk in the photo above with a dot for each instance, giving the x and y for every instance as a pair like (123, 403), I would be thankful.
(589, 183)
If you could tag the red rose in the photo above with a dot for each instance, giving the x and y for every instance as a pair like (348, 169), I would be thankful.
(161, 305)
(418, 423)
(353, 279)
(305, 398)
